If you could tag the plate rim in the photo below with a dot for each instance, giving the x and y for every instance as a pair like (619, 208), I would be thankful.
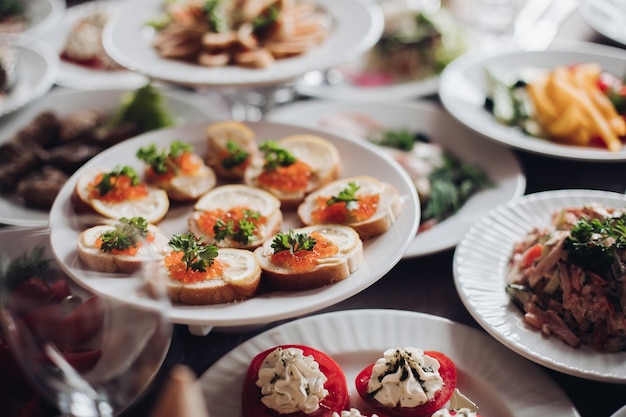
(507, 136)
(318, 105)
(308, 330)
(306, 301)
(497, 316)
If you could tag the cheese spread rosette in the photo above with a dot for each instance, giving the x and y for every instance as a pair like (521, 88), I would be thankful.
(294, 166)
(310, 257)
(408, 382)
(231, 148)
(202, 274)
(177, 170)
(296, 381)
(236, 216)
(122, 246)
(119, 192)
(362, 202)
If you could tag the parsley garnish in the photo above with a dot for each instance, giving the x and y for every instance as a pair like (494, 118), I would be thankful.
(397, 139)
(162, 161)
(25, 266)
(197, 256)
(346, 195)
(596, 244)
(243, 231)
(236, 155)
(292, 241)
(276, 156)
(126, 233)
(105, 185)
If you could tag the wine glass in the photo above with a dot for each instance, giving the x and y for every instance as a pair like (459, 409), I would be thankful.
(85, 355)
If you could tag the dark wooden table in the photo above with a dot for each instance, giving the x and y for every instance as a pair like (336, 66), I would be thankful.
(431, 277)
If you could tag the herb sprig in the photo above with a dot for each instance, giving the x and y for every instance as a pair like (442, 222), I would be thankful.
(106, 183)
(25, 266)
(292, 241)
(275, 155)
(346, 195)
(242, 231)
(197, 256)
(163, 161)
(236, 155)
(126, 233)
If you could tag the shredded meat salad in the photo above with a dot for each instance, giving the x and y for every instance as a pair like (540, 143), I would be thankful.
(569, 279)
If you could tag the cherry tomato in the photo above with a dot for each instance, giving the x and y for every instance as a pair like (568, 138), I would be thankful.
(447, 370)
(337, 386)
(82, 323)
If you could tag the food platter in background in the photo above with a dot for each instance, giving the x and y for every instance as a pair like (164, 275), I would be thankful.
(499, 163)
(185, 107)
(354, 27)
(480, 266)
(464, 89)
(40, 16)
(357, 158)
(80, 76)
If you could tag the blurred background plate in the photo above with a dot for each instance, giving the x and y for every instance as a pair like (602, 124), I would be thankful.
(606, 17)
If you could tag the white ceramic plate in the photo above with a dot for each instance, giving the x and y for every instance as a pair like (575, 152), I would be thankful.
(620, 413)
(480, 264)
(36, 72)
(355, 27)
(605, 17)
(81, 77)
(463, 88)
(18, 241)
(184, 106)
(356, 338)
(381, 252)
(42, 16)
(500, 163)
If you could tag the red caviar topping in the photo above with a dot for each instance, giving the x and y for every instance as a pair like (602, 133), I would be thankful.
(186, 163)
(121, 189)
(291, 178)
(364, 208)
(178, 271)
(207, 219)
(302, 260)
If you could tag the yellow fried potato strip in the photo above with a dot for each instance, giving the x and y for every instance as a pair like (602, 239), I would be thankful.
(573, 110)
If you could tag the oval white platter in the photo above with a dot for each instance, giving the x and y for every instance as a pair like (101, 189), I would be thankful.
(184, 106)
(463, 89)
(356, 338)
(381, 253)
(37, 66)
(355, 26)
(498, 162)
(77, 76)
(480, 264)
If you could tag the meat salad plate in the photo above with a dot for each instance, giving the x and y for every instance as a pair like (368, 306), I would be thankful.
(606, 17)
(464, 88)
(480, 266)
(356, 338)
(354, 26)
(381, 253)
(74, 75)
(500, 164)
(185, 107)
(36, 69)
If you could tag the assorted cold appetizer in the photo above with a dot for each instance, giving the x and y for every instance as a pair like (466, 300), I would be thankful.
(577, 105)
(247, 33)
(201, 273)
(232, 146)
(177, 170)
(120, 247)
(293, 167)
(310, 257)
(408, 382)
(567, 279)
(296, 381)
(237, 216)
(364, 203)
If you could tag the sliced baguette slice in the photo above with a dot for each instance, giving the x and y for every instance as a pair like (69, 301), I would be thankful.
(152, 208)
(91, 255)
(218, 136)
(227, 197)
(185, 188)
(320, 154)
(389, 204)
(327, 271)
(239, 282)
